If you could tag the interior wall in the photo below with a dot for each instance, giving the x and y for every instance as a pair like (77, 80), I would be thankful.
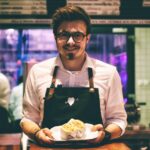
(142, 72)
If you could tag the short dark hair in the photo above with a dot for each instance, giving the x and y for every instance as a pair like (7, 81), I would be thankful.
(70, 13)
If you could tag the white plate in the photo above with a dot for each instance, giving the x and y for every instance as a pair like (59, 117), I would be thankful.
(88, 134)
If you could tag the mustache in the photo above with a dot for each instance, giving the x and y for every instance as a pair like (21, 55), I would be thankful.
(67, 46)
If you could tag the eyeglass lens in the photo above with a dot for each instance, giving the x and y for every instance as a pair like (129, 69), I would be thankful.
(77, 36)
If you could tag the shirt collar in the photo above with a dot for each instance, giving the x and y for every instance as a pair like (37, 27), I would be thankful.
(88, 63)
(58, 63)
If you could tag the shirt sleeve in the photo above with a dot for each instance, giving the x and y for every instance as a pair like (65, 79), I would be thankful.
(31, 102)
(4, 91)
(115, 110)
(12, 105)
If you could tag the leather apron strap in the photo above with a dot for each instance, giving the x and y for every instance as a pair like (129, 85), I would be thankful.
(52, 86)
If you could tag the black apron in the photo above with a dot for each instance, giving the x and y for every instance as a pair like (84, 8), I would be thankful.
(63, 103)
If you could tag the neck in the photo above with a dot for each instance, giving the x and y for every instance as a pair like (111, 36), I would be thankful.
(74, 64)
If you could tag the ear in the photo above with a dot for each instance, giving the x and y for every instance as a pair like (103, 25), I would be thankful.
(88, 38)
(55, 39)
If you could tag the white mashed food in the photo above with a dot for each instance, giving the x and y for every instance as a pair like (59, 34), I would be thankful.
(74, 128)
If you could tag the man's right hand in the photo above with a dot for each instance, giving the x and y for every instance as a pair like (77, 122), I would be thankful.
(44, 136)
(33, 131)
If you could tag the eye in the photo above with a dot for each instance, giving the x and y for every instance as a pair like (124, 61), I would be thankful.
(63, 35)
(78, 34)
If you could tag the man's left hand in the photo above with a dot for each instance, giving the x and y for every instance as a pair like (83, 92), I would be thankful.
(101, 133)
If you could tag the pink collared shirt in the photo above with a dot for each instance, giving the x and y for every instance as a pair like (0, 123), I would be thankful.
(106, 79)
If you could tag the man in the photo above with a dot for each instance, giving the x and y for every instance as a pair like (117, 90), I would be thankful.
(15, 105)
(4, 91)
(73, 85)
(4, 100)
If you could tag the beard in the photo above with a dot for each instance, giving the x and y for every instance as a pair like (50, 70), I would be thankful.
(68, 48)
(70, 56)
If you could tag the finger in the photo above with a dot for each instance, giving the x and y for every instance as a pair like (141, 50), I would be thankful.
(47, 140)
(39, 136)
(48, 133)
(99, 137)
(97, 127)
(42, 138)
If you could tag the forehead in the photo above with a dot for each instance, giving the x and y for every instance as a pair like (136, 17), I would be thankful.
(72, 26)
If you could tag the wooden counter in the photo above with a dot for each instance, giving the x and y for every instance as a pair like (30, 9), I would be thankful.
(112, 146)
(12, 141)
(135, 139)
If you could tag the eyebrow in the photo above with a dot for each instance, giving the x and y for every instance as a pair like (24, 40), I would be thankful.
(69, 31)
(62, 30)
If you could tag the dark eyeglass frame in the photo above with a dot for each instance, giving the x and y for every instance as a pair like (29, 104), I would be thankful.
(65, 36)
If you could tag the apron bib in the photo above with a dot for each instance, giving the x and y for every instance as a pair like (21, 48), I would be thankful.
(63, 103)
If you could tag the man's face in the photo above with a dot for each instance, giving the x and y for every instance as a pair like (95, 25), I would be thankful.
(72, 38)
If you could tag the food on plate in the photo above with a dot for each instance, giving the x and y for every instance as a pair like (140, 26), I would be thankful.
(74, 128)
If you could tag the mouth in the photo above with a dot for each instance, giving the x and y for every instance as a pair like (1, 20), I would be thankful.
(71, 49)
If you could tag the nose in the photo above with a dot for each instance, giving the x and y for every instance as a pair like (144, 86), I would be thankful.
(70, 40)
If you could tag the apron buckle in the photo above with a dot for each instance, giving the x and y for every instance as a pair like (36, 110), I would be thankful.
(91, 90)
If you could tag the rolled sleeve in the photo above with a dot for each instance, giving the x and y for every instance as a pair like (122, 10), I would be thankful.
(31, 103)
(115, 110)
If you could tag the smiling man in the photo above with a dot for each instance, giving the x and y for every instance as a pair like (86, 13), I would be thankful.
(73, 85)
(71, 39)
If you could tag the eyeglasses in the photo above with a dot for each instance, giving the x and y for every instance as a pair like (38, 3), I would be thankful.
(77, 36)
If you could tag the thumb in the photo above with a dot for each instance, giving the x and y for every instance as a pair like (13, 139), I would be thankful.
(47, 132)
(97, 127)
